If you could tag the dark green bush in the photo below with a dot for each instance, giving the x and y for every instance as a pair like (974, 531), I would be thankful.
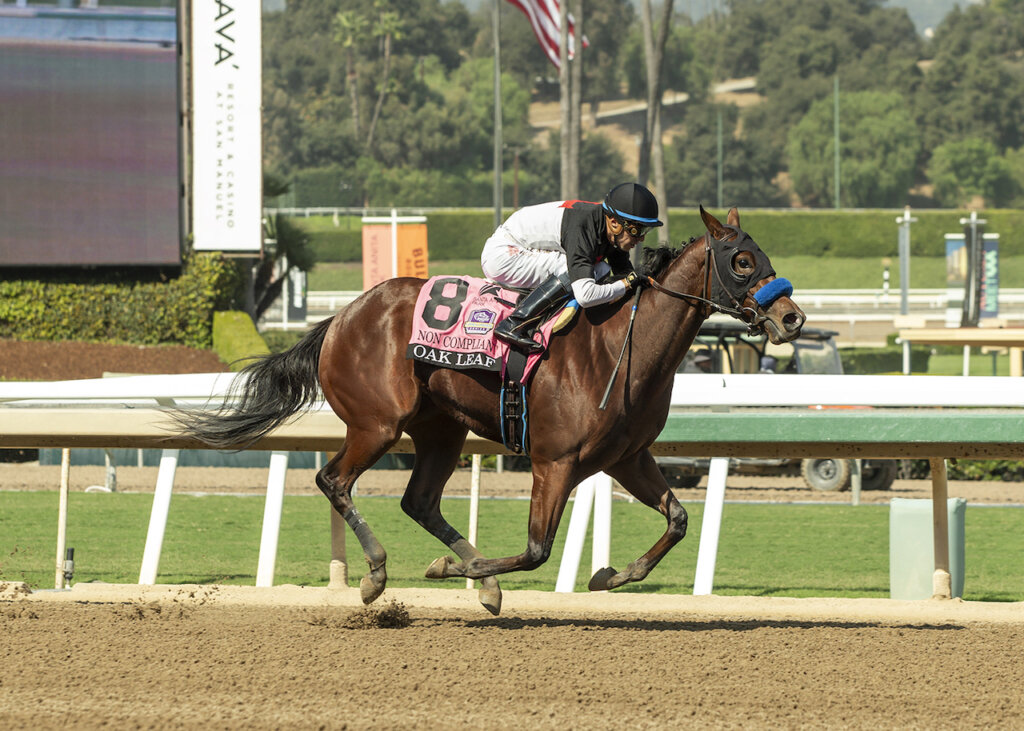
(991, 470)
(109, 307)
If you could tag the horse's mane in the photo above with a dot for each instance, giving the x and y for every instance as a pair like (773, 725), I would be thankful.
(655, 261)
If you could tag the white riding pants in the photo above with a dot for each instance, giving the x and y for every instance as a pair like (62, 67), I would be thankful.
(507, 262)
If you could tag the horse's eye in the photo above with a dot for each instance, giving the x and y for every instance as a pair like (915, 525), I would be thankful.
(743, 262)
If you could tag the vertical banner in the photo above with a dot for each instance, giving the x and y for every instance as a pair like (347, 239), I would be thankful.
(956, 278)
(989, 290)
(227, 176)
(394, 246)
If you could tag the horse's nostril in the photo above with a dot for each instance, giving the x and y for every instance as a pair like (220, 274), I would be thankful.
(793, 321)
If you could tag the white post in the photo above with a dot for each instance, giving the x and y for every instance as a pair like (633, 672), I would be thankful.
(967, 360)
(62, 515)
(710, 527)
(339, 566)
(474, 505)
(575, 536)
(272, 519)
(856, 480)
(601, 548)
(942, 583)
(111, 465)
(158, 516)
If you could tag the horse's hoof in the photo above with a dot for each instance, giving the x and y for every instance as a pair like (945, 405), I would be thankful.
(490, 595)
(602, 580)
(442, 568)
(372, 585)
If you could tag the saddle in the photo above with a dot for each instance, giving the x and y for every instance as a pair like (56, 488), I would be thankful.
(453, 327)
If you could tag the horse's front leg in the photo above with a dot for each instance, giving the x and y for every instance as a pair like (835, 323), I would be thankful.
(552, 484)
(640, 475)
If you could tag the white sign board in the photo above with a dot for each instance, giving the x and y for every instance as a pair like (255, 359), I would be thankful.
(227, 177)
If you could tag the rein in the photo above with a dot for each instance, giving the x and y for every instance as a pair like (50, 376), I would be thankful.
(755, 321)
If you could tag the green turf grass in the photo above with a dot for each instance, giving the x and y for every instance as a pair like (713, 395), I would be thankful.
(765, 550)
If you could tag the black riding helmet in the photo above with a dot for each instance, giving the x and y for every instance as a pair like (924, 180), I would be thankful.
(633, 202)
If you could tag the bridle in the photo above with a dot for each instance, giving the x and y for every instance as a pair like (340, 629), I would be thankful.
(749, 315)
(755, 322)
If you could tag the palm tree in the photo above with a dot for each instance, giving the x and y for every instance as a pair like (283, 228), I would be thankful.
(349, 30)
(387, 28)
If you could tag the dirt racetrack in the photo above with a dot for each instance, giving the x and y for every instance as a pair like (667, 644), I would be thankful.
(289, 657)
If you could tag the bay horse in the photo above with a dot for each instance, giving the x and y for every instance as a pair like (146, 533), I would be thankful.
(357, 358)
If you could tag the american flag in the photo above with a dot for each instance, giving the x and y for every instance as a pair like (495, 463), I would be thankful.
(543, 16)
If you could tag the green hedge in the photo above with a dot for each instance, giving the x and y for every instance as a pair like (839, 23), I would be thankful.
(455, 234)
(883, 360)
(990, 470)
(109, 307)
(235, 338)
(869, 233)
(337, 245)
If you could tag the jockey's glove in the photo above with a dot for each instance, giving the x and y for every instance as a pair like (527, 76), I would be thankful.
(634, 280)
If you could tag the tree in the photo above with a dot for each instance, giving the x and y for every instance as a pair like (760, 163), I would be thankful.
(879, 144)
(691, 163)
(349, 31)
(966, 168)
(600, 161)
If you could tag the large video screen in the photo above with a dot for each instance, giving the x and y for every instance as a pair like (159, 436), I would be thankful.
(89, 161)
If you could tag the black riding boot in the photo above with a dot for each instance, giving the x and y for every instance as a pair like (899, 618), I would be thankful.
(518, 327)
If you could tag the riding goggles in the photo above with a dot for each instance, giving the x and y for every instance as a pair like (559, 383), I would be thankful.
(636, 230)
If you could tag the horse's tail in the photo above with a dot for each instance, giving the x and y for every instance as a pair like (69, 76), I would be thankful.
(262, 396)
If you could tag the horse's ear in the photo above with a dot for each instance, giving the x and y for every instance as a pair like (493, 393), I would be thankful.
(713, 225)
(734, 217)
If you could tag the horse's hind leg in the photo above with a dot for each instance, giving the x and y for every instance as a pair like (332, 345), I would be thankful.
(438, 446)
(335, 480)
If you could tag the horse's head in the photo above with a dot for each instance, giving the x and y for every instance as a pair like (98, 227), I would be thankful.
(740, 280)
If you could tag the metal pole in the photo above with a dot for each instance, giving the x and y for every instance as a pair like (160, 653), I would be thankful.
(498, 197)
(719, 158)
(835, 96)
(904, 222)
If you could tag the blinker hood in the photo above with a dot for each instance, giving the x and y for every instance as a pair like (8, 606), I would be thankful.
(728, 287)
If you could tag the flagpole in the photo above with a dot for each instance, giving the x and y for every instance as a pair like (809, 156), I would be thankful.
(564, 101)
(497, 114)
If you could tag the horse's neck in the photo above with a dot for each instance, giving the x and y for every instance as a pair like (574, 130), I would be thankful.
(669, 323)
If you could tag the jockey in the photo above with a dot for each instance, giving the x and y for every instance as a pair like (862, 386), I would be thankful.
(566, 247)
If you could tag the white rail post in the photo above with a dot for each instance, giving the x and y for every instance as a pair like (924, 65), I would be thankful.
(272, 519)
(601, 548)
(710, 527)
(474, 505)
(339, 566)
(942, 583)
(566, 581)
(158, 516)
(62, 515)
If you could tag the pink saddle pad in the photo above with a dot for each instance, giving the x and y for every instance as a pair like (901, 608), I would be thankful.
(453, 325)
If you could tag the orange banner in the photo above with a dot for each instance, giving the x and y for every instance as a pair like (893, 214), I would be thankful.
(393, 249)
